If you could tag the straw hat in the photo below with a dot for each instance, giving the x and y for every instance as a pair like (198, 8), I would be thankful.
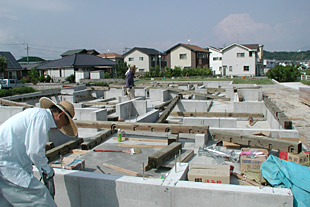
(68, 109)
(133, 66)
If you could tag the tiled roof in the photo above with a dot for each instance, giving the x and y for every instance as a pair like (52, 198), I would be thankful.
(251, 46)
(11, 61)
(71, 52)
(194, 48)
(148, 51)
(107, 55)
(77, 60)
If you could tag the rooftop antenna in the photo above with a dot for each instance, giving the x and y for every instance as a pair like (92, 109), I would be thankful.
(188, 40)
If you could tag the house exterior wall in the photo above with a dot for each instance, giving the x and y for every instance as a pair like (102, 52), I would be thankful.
(216, 62)
(60, 73)
(175, 57)
(140, 64)
(236, 64)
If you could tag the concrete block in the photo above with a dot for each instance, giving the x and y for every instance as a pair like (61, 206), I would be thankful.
(201, 140)
(81, 95)
(8, 111)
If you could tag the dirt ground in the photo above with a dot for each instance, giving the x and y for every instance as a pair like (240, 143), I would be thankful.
(287, 99)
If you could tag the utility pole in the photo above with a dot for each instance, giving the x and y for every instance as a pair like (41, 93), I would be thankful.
(27, 49)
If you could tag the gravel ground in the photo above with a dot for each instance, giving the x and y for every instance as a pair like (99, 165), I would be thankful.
(286, 97)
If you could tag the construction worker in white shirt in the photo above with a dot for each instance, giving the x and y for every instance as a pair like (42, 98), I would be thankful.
(22, 143)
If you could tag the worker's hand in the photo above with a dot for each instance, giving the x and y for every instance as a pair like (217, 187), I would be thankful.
(49, 183)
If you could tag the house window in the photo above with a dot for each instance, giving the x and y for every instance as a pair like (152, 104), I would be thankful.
(141, 58)
(215, 58)
(220, 58)
(141, 70)
(230, 68)
(239, 55)
(182, 56)
(199, 55)
(220, 69)
(130, 59)
(250, 54)
(246, 68)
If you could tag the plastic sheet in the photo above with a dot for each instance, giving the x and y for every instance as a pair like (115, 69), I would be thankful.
(280, 173)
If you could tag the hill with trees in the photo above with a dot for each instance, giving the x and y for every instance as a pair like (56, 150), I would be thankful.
(31, 59)
(300, 56)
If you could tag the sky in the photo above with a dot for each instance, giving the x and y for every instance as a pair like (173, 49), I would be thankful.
(49, 28)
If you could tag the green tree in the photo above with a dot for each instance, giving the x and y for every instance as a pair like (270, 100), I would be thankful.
(42, 78)
(284, 73)
(121, 68)
(71, 78)
(3, 64)
(34, 76)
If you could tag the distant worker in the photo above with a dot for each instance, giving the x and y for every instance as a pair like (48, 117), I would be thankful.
(130, 83)
(22, 142)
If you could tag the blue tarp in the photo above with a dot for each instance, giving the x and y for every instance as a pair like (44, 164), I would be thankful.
(280, 173)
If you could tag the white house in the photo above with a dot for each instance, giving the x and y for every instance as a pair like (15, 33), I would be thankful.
(145, 58)
(216, 60)
(242, 60)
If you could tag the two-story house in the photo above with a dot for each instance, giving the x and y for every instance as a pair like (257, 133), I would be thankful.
(187, 56)
(242, 60)
(216, 60)
(145, 58)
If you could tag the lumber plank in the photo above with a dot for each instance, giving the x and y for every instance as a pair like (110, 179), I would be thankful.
(259, 141)
(91, 142)
(217, 114)
(122, 170)
(13, 103)
(142, 139)
(153, 127)
(140, 146)
(55, 152)
(168, 110)
(163, 155)
(185, 156)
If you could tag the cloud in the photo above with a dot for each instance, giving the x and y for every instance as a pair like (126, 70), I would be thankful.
(240, 28)
(37, 5)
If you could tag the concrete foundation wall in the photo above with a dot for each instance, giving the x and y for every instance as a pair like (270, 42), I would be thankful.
(275, 133)
(140, 92)
(8, 111)
(249, 107)
(229, 93)
(91, 114)
(128, 109)
(114, 92)
(216, 84)
(251, 94)
(149, 117)
(71, 90)
(81, 95)
(192, 106)
(211, 122)
(79, 189)
(159, 95)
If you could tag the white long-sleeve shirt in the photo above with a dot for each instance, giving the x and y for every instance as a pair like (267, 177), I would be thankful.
(22, 142)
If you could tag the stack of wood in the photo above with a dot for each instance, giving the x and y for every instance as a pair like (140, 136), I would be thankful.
(304, 95)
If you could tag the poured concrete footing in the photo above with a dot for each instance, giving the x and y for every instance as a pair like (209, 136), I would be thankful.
(78, 188)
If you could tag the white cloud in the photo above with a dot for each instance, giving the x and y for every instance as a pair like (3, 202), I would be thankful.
(244, 29)
(38, 5)
(240, 27)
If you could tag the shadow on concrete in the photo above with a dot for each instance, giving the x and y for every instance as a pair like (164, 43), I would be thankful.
(91, 189)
